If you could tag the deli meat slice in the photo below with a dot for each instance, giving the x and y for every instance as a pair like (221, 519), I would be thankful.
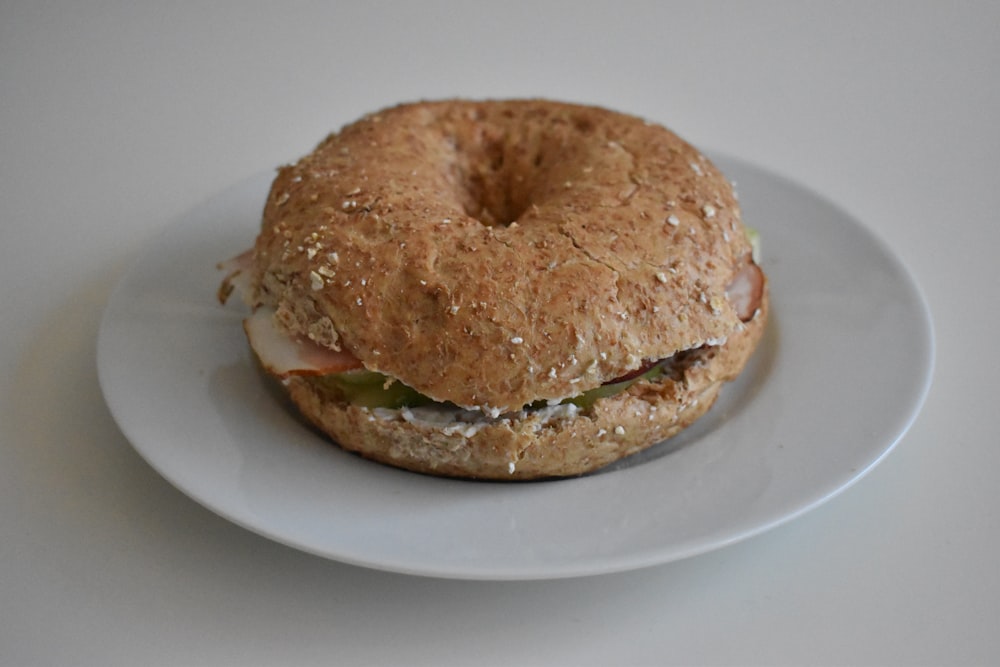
(282, 354)
(746, 291)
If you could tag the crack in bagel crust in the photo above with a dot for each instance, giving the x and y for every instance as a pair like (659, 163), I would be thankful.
(427, 238)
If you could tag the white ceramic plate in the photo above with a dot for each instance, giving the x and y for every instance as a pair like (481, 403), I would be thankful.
(840, 376)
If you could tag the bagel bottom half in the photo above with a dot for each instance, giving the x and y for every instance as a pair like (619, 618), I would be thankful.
(553, 441)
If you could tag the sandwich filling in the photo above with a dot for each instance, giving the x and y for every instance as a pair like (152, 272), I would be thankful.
(339, 373)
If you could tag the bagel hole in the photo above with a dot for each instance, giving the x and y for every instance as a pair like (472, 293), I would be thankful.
(489, 189)
(490, 200)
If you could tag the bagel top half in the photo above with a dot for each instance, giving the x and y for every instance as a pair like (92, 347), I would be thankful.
(495, 254)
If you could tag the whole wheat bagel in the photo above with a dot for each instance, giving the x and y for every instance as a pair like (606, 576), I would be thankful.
(499, 258)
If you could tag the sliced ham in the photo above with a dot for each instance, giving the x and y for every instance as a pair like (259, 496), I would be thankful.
(746, 290)
(238, 274)
(283, 354)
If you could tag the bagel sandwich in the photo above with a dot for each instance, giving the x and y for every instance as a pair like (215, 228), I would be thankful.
(501, 290)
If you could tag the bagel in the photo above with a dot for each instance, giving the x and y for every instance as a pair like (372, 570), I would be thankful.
(501, 289)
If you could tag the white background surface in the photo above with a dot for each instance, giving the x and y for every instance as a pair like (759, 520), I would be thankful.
(117, 117)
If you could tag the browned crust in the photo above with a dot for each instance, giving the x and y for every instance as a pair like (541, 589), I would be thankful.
(384, 241)
(516, 446)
